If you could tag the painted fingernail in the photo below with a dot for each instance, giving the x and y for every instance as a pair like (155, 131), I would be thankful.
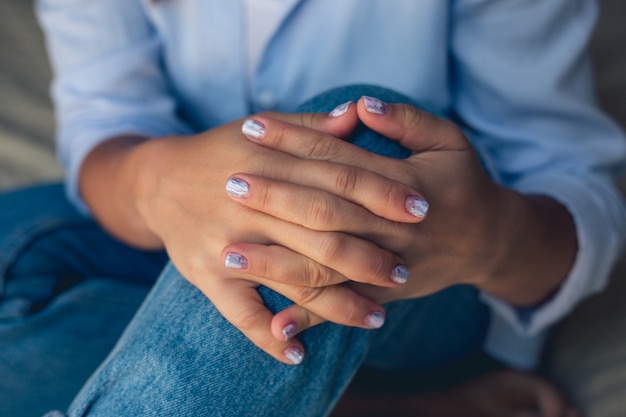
(340, 110)
(416, 206)
(374, 105)
(375, 320)
(253, 129)
(289, 331)
(236, 261)
(400, 274)
(237, 188)
(295, 355)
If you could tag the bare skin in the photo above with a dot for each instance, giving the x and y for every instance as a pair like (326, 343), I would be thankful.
(170, 193)
(518, 248)
(504, 393)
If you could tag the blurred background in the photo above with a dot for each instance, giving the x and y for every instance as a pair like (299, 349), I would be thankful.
(587, 354)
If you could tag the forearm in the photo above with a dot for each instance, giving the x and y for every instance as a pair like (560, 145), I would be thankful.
(540, 252)
(108, 184)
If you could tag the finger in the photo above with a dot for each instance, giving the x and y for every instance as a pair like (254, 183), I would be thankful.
(305, 142)
(381, 196)
(276, 263)
(293, 320)
(240, 303)
(318, 209)
(340, 122)
(357, 259)
(336, 303)
(283, 265)
(376, 182)
(415, 129)
(286, 324)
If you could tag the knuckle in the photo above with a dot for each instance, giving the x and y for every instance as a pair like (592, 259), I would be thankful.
(261, 268)
(352, 314)
(347, 180)
(263, 196)
(306, 119)
(381, 265)
(320, 147)
(413, 117)
(306, 296)
(279, 134)
(321, 213)
(246, 320)
(316, 275)
(334, 247)
(387, 193)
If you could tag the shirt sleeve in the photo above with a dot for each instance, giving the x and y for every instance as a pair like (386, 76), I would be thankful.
(524, 88)
(106, 59)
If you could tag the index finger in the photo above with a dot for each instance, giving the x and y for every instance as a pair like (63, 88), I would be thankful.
(305, 142)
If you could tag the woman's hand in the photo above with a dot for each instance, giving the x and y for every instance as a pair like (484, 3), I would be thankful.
(169, 192)
(515, 247)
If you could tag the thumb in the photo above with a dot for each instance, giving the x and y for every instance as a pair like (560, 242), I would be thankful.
(414, 129)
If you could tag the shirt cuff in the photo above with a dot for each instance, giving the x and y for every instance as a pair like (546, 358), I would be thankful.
(508, 346)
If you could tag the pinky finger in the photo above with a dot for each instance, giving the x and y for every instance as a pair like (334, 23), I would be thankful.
(289, 322)
(292, 320)
(241, 304)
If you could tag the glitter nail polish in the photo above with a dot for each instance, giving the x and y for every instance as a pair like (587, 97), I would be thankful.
(295, 355)
(235, 261)
(289, 331)
(237, 188)
(374, 105)
(253, 129)
(375, 320)
(417, 206)
(400, 274)
(340, 110)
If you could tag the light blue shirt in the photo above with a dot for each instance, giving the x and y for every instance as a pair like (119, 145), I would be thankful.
(514, 71)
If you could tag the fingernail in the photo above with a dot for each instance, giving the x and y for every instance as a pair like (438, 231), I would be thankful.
(416, 206)
(237, 188)
(340, 110)
(289, 331)
(295, 355)
(375, 320)
(253, 129)
(400, 274)
(236, 261)
(374, 105)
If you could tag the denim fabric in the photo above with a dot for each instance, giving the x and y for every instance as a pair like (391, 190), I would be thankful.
(67, 292)
(179, 356)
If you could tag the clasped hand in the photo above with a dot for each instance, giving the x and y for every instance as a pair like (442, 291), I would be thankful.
(334, 228)
(454, 244)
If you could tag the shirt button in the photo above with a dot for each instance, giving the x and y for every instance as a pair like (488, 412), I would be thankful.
(266, 100)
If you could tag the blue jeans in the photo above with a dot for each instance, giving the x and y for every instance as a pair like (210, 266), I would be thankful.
(69, 290)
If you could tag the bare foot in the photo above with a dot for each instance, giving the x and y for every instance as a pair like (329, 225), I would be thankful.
(506, 393)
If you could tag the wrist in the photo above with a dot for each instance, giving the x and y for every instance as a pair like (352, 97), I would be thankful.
(109, 178)
(534, 252)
